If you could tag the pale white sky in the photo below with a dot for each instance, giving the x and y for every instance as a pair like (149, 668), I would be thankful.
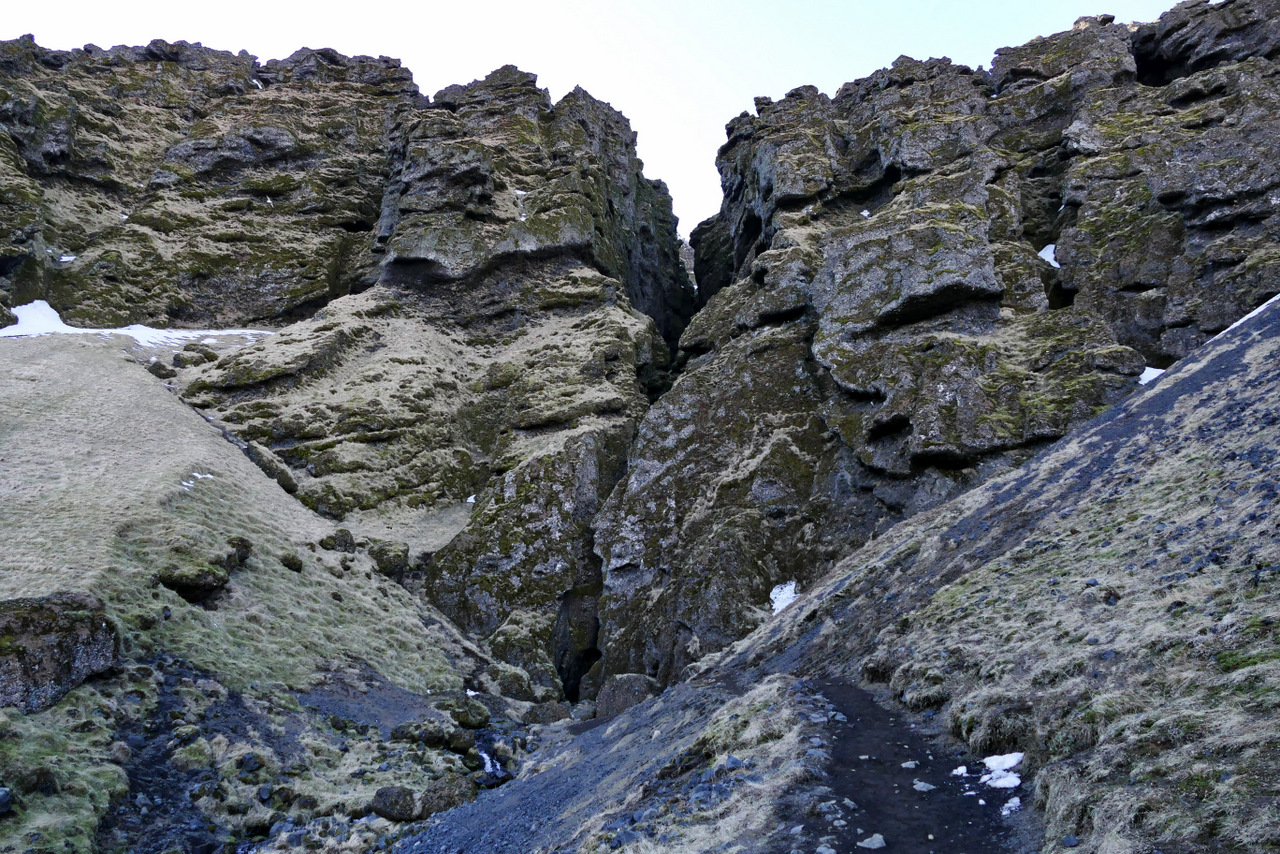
(678, 69)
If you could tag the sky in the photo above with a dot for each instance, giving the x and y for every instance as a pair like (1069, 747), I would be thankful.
(678, 69)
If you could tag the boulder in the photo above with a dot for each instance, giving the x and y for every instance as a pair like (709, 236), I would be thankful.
(49, 645)
(399, 803)
(621, 691)
(391, 557)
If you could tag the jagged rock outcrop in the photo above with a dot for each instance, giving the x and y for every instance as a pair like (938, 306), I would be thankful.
(917, 282)
(492, 379)
(173, 184)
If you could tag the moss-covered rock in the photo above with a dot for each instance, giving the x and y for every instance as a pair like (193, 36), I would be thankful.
(49, 645)
(945, 269)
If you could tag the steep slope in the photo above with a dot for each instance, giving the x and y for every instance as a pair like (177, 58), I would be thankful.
(923, 280)
(227, 625)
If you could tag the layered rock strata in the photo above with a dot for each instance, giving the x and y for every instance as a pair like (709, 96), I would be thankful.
(488, 386)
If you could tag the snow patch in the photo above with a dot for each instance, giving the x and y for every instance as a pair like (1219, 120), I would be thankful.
(66, 259)
(490, 767)
(962, 771)
(257, 83)
(1011, 806)
(471, 499)
(782, 596)
(1150, 375)
(867, 214)
(1000, 776)
(1050, 254)
(39, 318)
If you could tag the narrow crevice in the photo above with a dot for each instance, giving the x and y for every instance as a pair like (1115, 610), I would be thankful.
(894, 425)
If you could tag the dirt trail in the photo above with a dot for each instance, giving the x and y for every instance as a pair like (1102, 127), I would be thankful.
(873, 786)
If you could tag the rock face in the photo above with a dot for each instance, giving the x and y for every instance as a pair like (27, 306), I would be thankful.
(492, 379)
(172, 184)
(49, 645)
(922, 280)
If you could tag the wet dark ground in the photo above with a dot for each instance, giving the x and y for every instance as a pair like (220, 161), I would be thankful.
(159, 813)
(872, 793)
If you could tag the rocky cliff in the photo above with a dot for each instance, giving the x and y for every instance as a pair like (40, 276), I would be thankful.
(491, 471)
(922, 280)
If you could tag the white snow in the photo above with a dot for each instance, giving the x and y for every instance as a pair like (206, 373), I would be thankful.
(66, 258)
(198, 476)
(39, 318)
(1150, 375)
(1011, 806)
(471, 693)
(1000, 776)
(123, 217)
(962, 771)
(490, 767)
(867, 214)
(1050, 254)
(782, 596)
(257, 83)
(1004, 762)
(471, 499)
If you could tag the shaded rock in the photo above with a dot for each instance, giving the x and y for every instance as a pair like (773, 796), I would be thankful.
(341, 540)
(621, 691)
(396, 803)
(399, 803)
(49, 645)
(547, 713)
(160, 370)
(391, 557)
(465, 711)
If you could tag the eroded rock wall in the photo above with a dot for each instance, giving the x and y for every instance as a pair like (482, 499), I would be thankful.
(177, 185)
(919, 281)
(490, 382)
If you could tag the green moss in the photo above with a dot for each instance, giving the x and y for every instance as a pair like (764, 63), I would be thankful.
(1232, 660)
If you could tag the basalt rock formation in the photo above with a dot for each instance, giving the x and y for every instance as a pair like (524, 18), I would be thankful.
(492, 466)
(924, 279)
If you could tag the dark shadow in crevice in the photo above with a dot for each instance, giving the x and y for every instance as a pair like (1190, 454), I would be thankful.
(747, 237)
(871, 196)
(1060, 294)
(894, 425)
(778, 318)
